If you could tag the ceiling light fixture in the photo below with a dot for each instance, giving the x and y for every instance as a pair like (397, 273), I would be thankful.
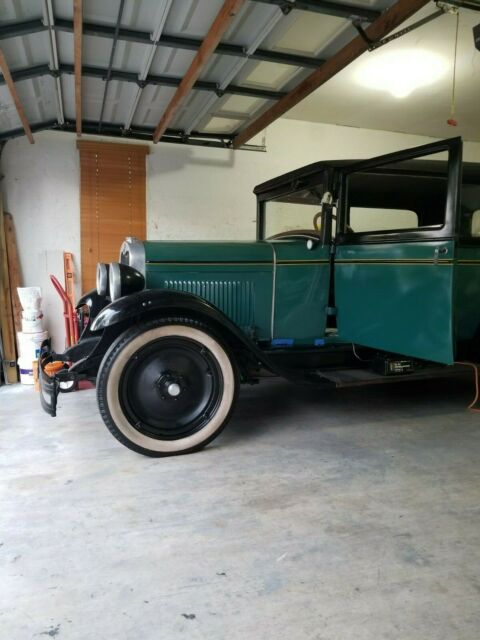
(401, 72)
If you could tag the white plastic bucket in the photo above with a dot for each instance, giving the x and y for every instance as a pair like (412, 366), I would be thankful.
(30, 297)
(26, 370)
(32, 314)
(32, 326)
(29, 344)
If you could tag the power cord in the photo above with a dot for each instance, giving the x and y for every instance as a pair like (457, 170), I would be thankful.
(477, 386)
(358, 357)
(471, 406)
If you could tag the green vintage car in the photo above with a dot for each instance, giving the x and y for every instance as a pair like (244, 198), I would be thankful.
(362, 272)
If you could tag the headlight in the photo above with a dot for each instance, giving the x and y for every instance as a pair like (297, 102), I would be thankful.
(124, 280)
(132, 253)
(102, 279)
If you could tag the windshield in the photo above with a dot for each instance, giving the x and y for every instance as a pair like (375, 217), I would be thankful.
(296, 211)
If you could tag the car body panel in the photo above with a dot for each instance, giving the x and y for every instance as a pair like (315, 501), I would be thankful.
(394, 289)
(301, 292)
(467, 292)
(239, 279)
(236, 277)
(397, 297)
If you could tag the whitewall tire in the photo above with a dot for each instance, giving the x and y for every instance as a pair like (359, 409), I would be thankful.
(167, 387)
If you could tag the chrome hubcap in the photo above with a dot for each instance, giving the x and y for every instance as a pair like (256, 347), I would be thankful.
(173, 389)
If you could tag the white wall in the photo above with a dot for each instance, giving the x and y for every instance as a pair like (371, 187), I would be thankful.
(192, 192)
(199, 193)
(40, 188)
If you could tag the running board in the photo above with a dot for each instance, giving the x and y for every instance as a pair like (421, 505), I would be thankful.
(362, 377)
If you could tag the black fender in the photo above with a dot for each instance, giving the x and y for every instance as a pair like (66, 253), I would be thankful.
(95, 304)
(94, 301)
(153, 303)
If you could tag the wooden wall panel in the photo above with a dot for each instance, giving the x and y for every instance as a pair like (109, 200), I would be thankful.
(13, 269)
(112, 201)
(7, 326)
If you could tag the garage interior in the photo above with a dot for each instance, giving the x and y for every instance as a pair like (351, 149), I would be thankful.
(317, 513)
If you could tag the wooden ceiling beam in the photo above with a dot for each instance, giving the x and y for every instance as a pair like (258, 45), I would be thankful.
(219, 26)
(77, 59)
(16, 100)
(392, 18)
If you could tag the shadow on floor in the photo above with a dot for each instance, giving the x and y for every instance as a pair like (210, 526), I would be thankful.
(277, 405)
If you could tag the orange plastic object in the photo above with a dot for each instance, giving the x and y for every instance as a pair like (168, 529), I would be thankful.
(53, 367)
(69, 277)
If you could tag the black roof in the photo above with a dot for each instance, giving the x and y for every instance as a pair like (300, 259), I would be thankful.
(302, 172)
(471, 171)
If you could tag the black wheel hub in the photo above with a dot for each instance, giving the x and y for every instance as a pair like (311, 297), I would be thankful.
(171, 385)
(171, 388)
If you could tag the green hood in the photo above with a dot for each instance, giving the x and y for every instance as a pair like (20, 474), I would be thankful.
(214, 252)
(236, 277)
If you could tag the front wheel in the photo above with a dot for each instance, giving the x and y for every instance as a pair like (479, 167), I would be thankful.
(166, 388)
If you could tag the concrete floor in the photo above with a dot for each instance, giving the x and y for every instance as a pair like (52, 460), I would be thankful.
(348, 515)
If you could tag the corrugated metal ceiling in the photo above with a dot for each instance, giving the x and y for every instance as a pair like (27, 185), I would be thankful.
(231, 90)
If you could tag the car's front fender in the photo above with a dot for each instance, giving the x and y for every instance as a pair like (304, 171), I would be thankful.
(151, 303)
(148, 301)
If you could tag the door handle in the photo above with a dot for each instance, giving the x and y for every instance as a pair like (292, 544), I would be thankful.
(440, 251)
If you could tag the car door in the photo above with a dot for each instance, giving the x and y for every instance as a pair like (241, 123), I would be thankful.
(394, 257)
(295, 220)
(301, 285)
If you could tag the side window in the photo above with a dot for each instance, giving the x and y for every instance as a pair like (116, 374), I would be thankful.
(408, 195)
(470, 211)
(475, 225)
(364, 219)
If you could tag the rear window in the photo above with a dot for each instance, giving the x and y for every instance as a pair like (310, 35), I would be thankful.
(365, 219)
